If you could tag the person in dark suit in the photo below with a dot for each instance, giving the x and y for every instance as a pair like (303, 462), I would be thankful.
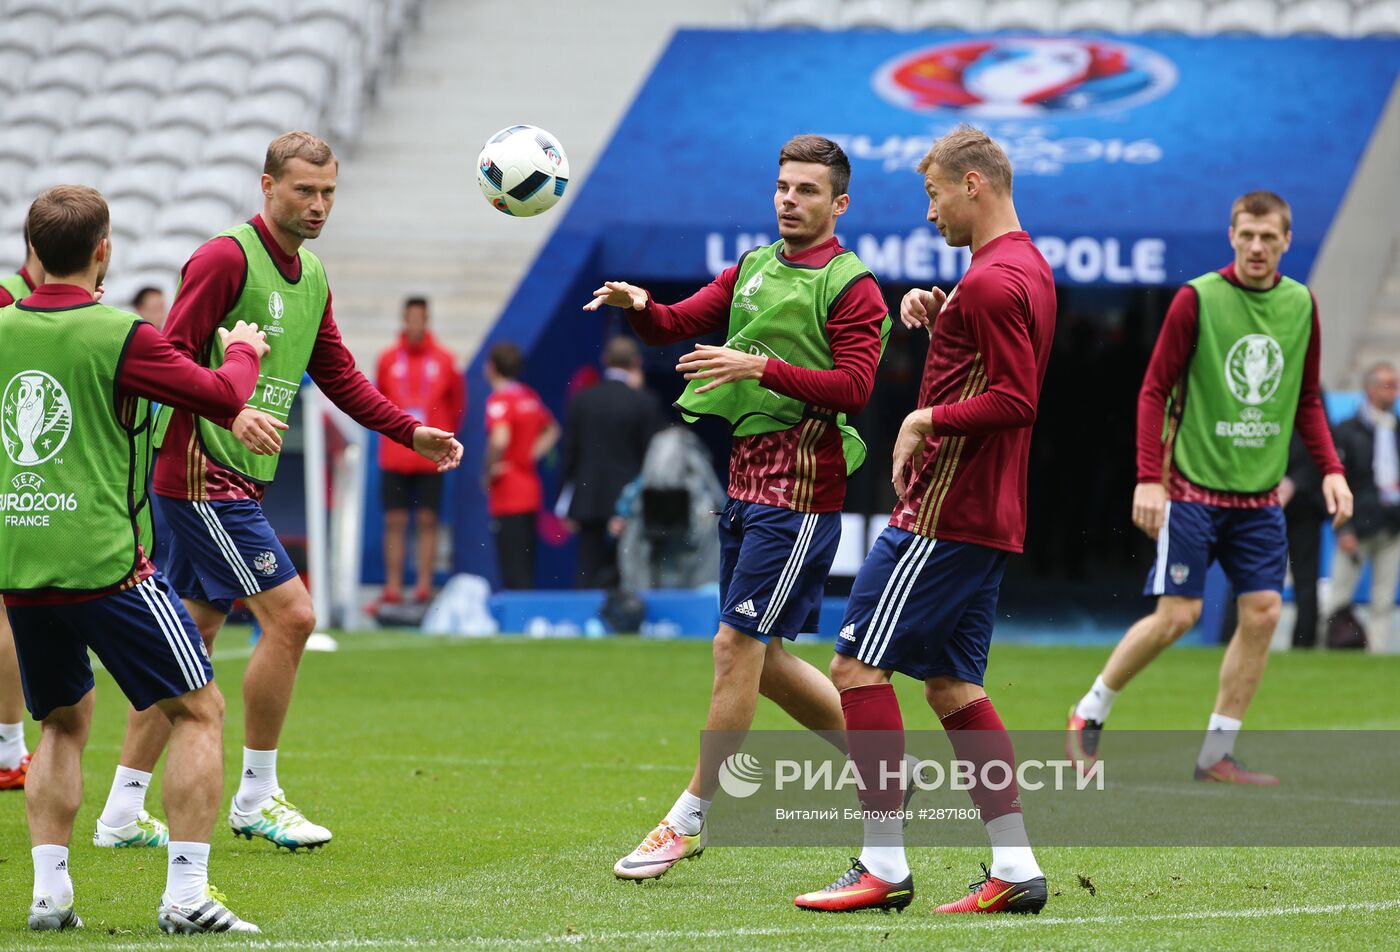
(1368, 446)
(1304, 511)
(606, 433)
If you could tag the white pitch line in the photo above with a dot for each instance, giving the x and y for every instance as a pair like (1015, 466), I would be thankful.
(819, 928)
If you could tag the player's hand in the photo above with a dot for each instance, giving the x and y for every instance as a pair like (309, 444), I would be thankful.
(245, 333)
(618, 294)
(258, 430)
(909, 447)
(720, 365)
(439, 446)
(1149, 507)
(1346, 541)
(1287, 489)
(1337, 495)
(920, 307)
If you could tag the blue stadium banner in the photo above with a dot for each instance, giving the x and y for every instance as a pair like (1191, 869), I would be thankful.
(1127, 150)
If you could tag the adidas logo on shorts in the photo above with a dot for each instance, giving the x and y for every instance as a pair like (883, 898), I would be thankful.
(848, 633)
(746, 608)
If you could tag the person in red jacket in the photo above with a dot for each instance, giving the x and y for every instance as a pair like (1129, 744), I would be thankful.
(417, 374)
(519, 431)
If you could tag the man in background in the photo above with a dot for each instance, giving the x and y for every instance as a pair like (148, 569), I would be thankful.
(416, 374)
(1367, 445)
(519, 430)
(149, 305)
(606, 434)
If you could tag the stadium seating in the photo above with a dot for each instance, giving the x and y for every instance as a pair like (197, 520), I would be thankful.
(1110, 16)
(168, 106)
(946, 14)
(1260, 17)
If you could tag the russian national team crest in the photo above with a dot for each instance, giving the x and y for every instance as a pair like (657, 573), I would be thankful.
(1025, 77)
(265, 563)
(35, 417)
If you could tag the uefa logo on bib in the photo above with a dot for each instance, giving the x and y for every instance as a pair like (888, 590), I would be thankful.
(274, 306)
(1254, 368)
(36, 418)
(752, 285)
(1025, 77)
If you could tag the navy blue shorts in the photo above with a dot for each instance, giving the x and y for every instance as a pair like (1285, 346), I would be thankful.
(222, 551)
(773, 565)
(1251, 545)
(923, 607)
(143, 637)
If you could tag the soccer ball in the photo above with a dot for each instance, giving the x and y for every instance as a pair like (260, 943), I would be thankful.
(522, 171)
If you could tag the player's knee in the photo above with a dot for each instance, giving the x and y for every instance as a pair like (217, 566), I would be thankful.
(732, 650)
(298, 621)
(204, 706)
(848, 672)
(948, 693)
(69, 723)
(1260, 618)
(1177, 618)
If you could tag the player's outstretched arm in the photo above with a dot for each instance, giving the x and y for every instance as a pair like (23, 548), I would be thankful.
(618, 294)
(439, 446)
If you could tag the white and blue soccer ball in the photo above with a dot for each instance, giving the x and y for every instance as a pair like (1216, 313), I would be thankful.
(522, 171)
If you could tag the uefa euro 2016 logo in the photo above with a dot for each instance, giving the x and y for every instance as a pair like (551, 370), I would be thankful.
(1025, 77)
(1254, 368)
(35, 418)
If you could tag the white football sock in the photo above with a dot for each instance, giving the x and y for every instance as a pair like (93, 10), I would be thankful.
(1012, 859)
(1095, 705)
(51, 874)
(187, 873)
(883, 853)
(127, 797)
(1220, 740)
(12, 749)
(258, 781)
(688, 815)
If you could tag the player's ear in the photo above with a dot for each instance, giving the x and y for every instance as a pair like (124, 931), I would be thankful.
(267, 181)
(842, 203)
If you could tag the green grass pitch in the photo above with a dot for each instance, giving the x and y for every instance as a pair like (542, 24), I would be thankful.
(480, 791)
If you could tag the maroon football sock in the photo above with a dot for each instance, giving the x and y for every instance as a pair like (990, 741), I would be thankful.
(978, 736)
(875, 735)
